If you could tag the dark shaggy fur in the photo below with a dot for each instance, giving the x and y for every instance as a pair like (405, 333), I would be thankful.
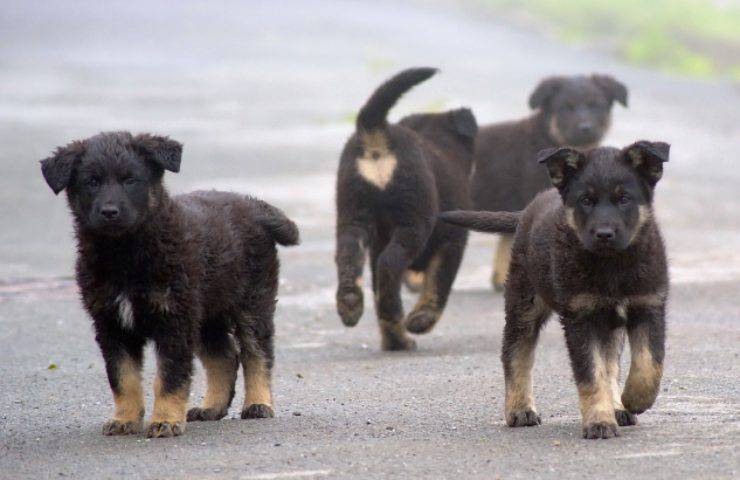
(392, 181)
(591, 252)
(195, 273)
(570, 111)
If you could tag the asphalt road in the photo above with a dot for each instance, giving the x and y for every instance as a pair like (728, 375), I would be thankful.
(262, 95)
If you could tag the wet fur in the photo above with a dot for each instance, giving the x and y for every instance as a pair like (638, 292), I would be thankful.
(194, 273)
(393, 179)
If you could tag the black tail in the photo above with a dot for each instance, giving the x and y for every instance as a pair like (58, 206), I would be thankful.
(373, 114)
(491, 222)
(276, 224)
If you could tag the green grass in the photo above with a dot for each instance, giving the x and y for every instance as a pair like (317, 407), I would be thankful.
(699, 38)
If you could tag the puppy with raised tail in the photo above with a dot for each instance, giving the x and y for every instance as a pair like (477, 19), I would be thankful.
(589, 250)
(194, 274)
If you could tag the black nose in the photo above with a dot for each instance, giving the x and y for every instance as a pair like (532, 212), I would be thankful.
(585, 127)
(605, 234)
(109, 211)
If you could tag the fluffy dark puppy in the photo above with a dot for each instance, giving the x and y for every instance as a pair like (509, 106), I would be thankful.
(392, 181)
(191, 273)
(591, 252)
(570, 111)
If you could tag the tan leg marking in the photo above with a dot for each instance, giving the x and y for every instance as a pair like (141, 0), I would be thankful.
(614, 349)
(169, 407)
(414, 280)
(256, 382)
(394, 337)
(519, 385)
(643, 381)
(596, 398)
(502, 260)
(220, 376)
(426, 312)
(130, 399)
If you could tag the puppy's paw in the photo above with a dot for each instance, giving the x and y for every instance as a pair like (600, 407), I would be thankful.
(165, 429)
(117, 427)
(523, 418)
(258, 410)
(625, 418)
(206, 414)
(397, 343)
(598, 430)
(422, 320)
(414, 281)
(350, 305)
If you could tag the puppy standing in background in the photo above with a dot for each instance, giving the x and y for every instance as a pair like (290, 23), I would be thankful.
(592, 252)
(570, 111)
(190, 273)
(393, 179)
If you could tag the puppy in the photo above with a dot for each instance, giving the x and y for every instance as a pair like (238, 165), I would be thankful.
(190, 273)
(590, 251)
(570, 111)
(393, 179)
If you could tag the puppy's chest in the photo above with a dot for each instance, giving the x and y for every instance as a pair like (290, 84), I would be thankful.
(134, 310)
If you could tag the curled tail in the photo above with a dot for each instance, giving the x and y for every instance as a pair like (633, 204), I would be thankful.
(373, 114)
(282, 229)
(491, 222)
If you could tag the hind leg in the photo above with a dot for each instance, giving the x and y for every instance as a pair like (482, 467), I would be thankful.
(525, 315)
(257, 358)
(218, 356)
(438, 279)
(403, 247)
(350, 257)
(501, 262)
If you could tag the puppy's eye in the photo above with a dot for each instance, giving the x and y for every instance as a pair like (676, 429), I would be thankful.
(586, 202)
(130, 181)
(624, 200)
(93, 183)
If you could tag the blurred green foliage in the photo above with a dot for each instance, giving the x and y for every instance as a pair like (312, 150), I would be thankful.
(692, 37)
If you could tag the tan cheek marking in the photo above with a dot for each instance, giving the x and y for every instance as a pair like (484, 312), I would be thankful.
(570, 219)
(169, 406)
(130, 398)
(643, 216)
(596, 398)
(220, 375)
(555, 132)
(256, 382)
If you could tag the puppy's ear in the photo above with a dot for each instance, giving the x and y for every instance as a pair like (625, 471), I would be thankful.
(615, 90)
(562, 163)
(647, 159)
(163, 151)
(464, 122)
(57, 169)
(541, 96)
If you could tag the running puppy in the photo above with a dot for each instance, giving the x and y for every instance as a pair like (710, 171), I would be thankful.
(590, 251)
(570, 111)
(393, 180)
(190, 273)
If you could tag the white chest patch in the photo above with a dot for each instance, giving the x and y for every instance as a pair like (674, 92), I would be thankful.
(378, 171)
(125, 311)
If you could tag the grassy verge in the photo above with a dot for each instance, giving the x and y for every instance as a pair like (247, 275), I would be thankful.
(699, 38)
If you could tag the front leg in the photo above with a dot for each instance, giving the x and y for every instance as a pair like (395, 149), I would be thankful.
(587, 346)
(646, 331)
(122, 353)
(350, 258)
(172, 383)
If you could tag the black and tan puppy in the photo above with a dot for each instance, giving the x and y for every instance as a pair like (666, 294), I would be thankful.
(190, 273)
(393, 180)
(591, 252)
(570, 111)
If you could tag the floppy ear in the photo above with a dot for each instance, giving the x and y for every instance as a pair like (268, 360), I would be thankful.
(163, 151)
(615, 90)
(647, 159)
(57, 169)
(464, 122)
(544, 92)
(562, 163)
